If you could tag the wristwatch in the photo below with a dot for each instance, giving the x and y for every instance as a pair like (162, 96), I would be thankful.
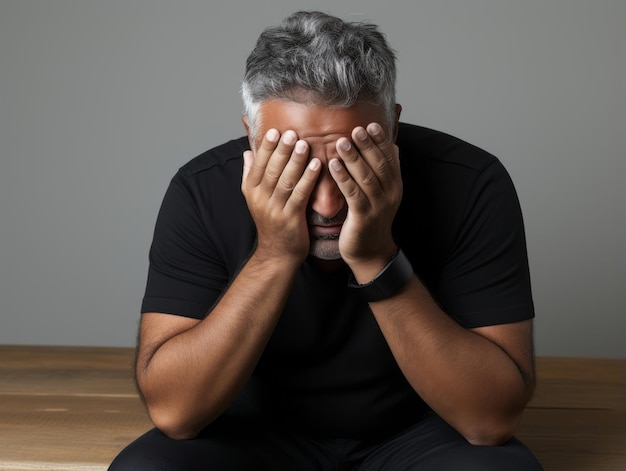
(388, 281)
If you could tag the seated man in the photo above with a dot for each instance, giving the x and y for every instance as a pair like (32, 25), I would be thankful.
(338, 289)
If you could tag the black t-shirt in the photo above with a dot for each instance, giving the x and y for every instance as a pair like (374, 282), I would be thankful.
(327, 368)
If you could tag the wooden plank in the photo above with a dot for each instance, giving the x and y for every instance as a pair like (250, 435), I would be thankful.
(65, 408)
(576, 439)
(76, 429)
(36, 356)
(66, 370)
(580, 383)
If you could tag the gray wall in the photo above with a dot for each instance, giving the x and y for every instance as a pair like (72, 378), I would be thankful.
(101, 102)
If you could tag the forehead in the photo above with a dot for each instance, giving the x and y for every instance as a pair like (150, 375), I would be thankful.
(316, 121)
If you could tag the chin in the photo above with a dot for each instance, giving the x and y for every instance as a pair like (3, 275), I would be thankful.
(325, 249)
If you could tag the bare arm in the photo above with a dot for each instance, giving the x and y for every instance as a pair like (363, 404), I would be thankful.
(477, 380)
(189, 371)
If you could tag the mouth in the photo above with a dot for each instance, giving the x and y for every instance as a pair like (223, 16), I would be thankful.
(325, 232)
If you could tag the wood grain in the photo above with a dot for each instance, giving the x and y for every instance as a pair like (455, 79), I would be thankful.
(75, 408)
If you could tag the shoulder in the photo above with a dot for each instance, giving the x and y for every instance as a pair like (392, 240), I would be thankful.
(428, 147)
(204, 211)
(226, 155)
(448, 171)
(213, 175)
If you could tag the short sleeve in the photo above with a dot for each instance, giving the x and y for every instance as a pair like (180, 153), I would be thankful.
(485, 278)
(186, 274)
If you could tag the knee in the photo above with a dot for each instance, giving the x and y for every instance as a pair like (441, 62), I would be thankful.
(512, 456)
(146, 453)
(128, 461)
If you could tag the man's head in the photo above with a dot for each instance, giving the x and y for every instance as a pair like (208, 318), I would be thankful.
(320, 77)
(315, 58)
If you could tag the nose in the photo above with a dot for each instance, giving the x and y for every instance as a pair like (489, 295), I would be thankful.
(326, 199)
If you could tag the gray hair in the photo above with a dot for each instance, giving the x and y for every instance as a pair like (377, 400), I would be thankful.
(315, 58)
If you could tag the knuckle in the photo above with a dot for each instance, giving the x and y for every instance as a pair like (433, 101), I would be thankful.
(368, 145)
(298, 195)
(268, 146)
(370, 180)
(352, 192)
(286, 184)
(381, 167)
(272, 174)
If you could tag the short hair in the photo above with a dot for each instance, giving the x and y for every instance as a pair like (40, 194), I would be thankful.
(315, 58)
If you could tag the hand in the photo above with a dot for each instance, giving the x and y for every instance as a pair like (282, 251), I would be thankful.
(277, 184)
(368, 175)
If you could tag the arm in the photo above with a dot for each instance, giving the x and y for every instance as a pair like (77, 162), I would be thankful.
(189, 371)
(478, 380)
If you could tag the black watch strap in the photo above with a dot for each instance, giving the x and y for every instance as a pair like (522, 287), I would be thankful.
(388, 282)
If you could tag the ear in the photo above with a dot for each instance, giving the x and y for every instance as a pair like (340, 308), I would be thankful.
(244, 120)
(397, 121)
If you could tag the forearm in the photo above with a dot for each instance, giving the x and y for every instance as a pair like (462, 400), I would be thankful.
(468, 379)
(192, 377)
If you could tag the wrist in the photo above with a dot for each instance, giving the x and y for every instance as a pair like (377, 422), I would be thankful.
(275, 260)
(365, 268)
(387, 282)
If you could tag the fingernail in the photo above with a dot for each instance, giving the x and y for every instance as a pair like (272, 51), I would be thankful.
(289, 138)
(301, 147)
(374, 129)
(344, 144)
(335, 165)
(314, 164)
(272, 135)
(361, 134)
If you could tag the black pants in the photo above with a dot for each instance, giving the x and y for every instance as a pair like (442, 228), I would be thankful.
(429, 445)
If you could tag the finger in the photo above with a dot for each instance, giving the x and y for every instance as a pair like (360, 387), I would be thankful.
(352, 192)
(279, 159)
(378, 151)
(291, 172)
(248, 157)
(301, 194)
(358, 167)
(385, 143)
(258, 163)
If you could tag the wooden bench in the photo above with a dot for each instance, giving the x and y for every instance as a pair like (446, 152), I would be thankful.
(75, 408)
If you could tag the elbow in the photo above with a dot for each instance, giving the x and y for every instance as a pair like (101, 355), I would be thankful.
(173, 419)
(489, 438)
(173, 429)
(173, 425)
(176, 433)
(493, 427)
(179, 419)
(492, 433)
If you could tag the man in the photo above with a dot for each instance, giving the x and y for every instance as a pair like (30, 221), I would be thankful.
(337, 290)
